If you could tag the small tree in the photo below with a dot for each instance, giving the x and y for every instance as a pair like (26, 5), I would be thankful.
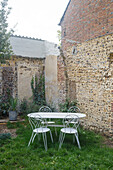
(5, 47)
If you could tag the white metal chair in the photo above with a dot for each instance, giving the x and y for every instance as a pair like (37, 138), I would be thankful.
(39, 128)
(46, 109)
(69, 128)
(73, 109)
(50, 123)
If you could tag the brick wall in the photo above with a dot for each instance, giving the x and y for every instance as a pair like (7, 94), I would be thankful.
(86, 19)
(91, 70)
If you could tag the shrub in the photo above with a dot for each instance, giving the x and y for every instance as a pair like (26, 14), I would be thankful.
(23, 108)
(4, 136)
(65, 106)
(4, 106)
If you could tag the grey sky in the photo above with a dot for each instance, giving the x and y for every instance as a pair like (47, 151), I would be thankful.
(37, 18)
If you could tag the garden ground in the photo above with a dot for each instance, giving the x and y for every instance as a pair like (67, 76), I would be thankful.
(96, 152)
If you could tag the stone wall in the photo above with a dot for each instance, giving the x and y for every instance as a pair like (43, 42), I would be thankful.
(51, 90)
(86, 19)
(66, 86)
(7, 81)
(90, 66)
(17, 77)
(26, 69)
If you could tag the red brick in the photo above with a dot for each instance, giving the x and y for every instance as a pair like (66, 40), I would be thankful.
(83, 18)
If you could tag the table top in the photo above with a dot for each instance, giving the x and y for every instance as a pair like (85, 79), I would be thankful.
(55, 115)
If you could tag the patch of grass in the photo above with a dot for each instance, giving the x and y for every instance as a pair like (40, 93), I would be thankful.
(15, 154)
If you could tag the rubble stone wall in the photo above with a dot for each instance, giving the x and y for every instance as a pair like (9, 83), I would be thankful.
(91, 68)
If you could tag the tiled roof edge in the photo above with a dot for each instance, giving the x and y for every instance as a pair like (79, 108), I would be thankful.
(64, 13)
(18, 36)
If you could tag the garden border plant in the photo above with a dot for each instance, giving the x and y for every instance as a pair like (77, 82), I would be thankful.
(67, 104)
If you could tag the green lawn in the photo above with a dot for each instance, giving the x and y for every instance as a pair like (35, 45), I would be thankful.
(14, 153)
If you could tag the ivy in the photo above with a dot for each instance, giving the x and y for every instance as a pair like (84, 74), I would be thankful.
(38, 90)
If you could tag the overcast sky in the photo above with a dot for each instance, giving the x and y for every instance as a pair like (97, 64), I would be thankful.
(37, 18)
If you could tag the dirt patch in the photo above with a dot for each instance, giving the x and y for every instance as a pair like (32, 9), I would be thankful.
(4, 129)
(108, 142)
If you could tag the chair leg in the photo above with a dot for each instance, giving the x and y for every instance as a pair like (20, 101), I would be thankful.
(34, 137)
(60, 139)
(62, 136)
(76, 135)
(45, 140)
(31, 138)
(73, 138)
(51, 136)
(55, 131)
(39, 136)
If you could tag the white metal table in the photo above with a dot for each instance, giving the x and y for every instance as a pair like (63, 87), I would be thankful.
(55, 115)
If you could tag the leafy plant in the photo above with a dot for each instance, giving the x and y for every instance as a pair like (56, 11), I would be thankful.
(5, 47)
(23, 108)
(13, 104)
(28, 107)
(5, 136)
(59, 37)
(65, 106)
(4, 106)
(38, 90)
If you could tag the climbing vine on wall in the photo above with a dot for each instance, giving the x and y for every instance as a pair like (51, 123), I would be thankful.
(38, 90)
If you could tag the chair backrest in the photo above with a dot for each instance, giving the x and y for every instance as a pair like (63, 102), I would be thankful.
(45, 109)
(74, 109)
(36, 121)
(71, 121)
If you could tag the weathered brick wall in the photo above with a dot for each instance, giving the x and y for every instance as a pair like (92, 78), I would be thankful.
(26, 68)
(66, 86)
(91, 67)
(17, 77)
(61, 69)
(86, 19)
(7, 81)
